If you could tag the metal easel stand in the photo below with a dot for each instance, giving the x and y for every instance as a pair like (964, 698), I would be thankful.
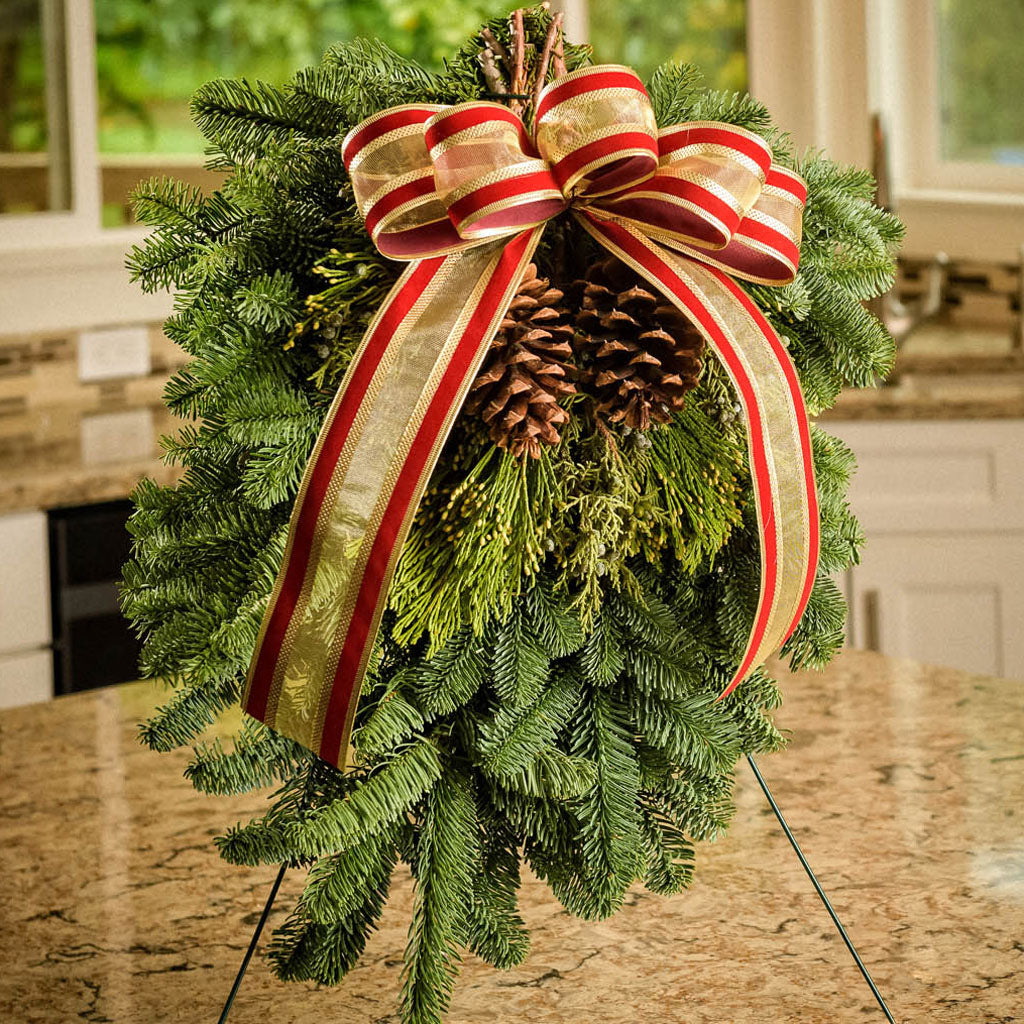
(252, 945)
(785, 828)
(820, 891)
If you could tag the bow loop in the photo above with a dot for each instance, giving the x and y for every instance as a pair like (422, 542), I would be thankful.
(597, 130)
(389, 164)
(709, 177)
(432, 180)
(487, 172)
(718, 197)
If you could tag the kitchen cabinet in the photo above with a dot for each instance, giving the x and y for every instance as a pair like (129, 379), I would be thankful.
(942, 575)
(26, 673)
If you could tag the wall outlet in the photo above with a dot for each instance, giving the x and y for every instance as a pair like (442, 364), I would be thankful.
(107, 353)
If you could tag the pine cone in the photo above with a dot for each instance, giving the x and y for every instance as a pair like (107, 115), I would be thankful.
(526, 370)
(638, 354)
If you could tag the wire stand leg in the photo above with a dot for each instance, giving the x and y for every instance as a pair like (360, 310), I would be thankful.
(252, 946)
(820, 891)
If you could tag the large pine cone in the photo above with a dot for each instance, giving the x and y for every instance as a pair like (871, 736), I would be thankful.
(638, 354)
(527, 370)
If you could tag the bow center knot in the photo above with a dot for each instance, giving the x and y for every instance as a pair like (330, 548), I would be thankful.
(594, 134)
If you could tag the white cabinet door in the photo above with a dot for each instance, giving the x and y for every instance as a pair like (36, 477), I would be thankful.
(960, 476)
(24, 582)
(947, 599)
(25, 678)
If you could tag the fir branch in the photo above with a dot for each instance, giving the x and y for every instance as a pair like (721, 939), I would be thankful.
(382, 799)
(516, 736)
(495, 929)
(391, 720)
(446, 851)
(240, 117)
(673, 89)
(191, 709)
(519, 664)
(553, 623)
(449, 679)
(668, 853)
(602, 658)
(608, 817)
(350, 894)
(259, 757)
(337, 886)
(554, 775)
(690, 730)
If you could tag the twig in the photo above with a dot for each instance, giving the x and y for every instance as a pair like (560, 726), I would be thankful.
(518, 60)
(492, 76)
(559, 54)
(554, 29)
(496, 47)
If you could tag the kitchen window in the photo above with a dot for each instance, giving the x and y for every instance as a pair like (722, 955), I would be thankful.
(966, 87)
(928, 67)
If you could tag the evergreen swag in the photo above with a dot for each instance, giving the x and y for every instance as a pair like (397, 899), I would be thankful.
(543, 688)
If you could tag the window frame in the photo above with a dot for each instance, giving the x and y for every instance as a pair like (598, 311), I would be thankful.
(61, 269)
(53, 227)
(926, 169)
(823, 67)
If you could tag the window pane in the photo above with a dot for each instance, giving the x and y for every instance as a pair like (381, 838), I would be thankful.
(645, 33)
(153, 54)
(34, 167)
(981, 80)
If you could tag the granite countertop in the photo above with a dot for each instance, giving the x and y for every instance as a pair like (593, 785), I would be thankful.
(62, 455)
(945, 372)
(904, 783)
(76, 454)
(63, 442)
(934, 396)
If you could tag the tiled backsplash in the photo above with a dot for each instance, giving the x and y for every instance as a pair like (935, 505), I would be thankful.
(975, 295)
(41, 370)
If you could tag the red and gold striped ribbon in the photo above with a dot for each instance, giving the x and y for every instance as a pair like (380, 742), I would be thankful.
(463, 194)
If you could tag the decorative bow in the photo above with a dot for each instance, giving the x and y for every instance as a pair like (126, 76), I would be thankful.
(463, 193)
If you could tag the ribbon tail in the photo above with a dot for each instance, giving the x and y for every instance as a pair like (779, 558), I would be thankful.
(778, 434)
(364, 480)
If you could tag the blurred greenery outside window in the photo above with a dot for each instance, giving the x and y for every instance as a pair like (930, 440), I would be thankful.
(34, 173)
(152, 54)
(981, 80)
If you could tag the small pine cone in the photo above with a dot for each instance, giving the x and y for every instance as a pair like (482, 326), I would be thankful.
(638, 354)
(527, 370)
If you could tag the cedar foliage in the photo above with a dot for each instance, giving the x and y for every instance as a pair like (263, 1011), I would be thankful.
(542, 692)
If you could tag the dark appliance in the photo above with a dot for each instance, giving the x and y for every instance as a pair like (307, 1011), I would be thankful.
(92, 643)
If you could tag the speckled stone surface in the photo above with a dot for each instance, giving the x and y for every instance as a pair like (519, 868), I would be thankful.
(944, 372)
(931, 398)
(79, 454)
(905, 784)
